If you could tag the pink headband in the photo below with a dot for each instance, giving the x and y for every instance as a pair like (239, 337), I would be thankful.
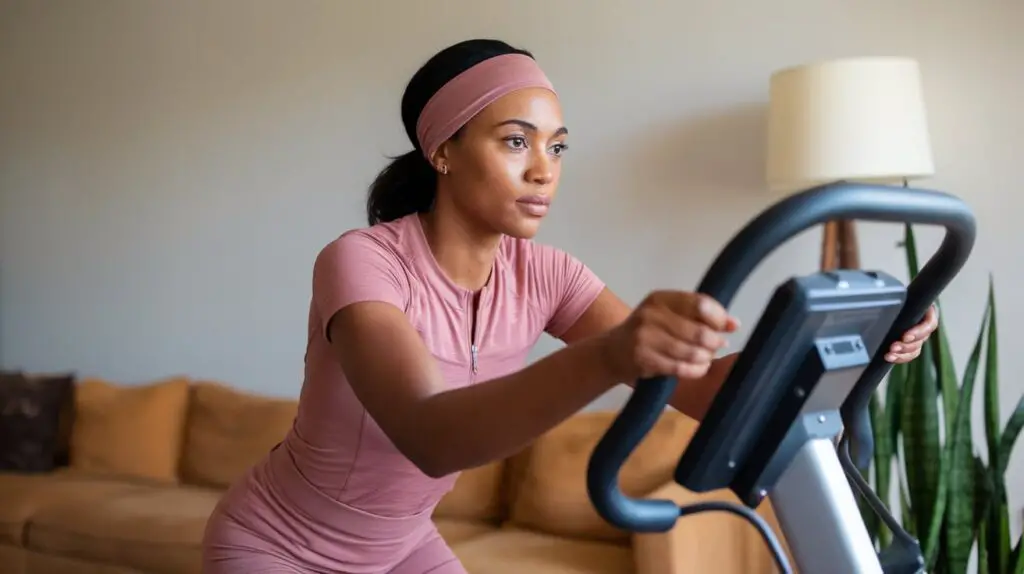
(465, 95)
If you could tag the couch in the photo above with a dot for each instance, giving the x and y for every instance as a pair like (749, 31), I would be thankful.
(124, 477)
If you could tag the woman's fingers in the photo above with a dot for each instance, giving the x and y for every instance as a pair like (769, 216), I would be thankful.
(904, 352)
(695, 334)
(903, 357)
(684, 347)
(652, 363)
(696, 319)
(924, 328)
(685, 334)
(704, 309)
(675, 333)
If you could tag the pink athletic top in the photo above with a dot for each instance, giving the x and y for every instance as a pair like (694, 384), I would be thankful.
(335, 444)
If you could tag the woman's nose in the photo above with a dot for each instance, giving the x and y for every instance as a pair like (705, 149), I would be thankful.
(540, 171)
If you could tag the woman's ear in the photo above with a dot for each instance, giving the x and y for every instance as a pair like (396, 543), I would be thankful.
(440, 159)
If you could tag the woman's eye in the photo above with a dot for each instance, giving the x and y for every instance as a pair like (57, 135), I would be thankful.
(516, 142)
(559, 149)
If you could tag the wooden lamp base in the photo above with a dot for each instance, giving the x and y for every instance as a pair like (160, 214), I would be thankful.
(839, 249)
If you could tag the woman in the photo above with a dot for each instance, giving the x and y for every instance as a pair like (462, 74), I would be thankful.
(420, 326)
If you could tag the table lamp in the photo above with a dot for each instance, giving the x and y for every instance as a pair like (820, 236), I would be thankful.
(851, 119)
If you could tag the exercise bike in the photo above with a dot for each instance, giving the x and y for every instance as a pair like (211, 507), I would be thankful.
(803, 380)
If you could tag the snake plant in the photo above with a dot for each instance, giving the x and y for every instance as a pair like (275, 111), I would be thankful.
(950, 495)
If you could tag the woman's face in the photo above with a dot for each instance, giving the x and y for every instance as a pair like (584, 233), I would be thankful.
(504, 166)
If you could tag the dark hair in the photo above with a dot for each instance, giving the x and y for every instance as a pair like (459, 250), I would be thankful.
(408, 184)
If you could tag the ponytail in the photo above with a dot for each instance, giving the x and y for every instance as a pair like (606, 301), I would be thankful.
(405, 186)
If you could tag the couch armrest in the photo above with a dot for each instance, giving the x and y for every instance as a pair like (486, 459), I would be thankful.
(719, 542)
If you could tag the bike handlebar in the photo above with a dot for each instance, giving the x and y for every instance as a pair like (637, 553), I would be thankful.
(730, 269)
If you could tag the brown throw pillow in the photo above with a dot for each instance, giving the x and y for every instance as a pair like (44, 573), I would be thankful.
(34, 422)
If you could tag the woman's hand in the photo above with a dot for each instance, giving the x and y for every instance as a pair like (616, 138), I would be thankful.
(671, 333)
(909, 348)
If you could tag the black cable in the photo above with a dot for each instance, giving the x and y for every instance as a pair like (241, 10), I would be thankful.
(750, 515)
(903, 554)
(864, 489)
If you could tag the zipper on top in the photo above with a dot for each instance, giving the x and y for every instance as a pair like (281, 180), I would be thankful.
(473, 349)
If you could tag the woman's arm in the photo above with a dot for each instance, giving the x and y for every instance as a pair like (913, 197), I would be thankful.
(692, 397)
(360, 292)
(443, 431)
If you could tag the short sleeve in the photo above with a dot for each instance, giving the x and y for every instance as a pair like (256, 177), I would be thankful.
(355, 268)
(568, 286)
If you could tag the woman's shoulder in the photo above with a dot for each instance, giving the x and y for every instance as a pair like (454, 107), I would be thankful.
(361, 264)
(388, 240)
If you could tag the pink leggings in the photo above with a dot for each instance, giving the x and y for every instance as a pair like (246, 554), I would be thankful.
(432, 556)
(274, 521)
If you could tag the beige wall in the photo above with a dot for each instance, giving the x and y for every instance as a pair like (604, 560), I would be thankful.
(168, 170)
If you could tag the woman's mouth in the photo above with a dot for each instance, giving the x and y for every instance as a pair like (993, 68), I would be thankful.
(535, 205)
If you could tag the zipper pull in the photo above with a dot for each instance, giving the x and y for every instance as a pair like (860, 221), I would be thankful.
(472, 350)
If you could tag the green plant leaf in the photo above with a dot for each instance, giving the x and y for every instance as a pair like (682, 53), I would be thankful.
(907, 518)
(887, 439)
(960, 521)
(910, 244)
(992, 384)
(921, 450)
(984, 500)
(936, 541)
(983, 564)
(882, 466)
(1009, 438)
(1001, 525)
(893, 401)
(944, 367)
(1010, 434)
(998, 519)
(1017, 558)
(982, 491)
(933, 542)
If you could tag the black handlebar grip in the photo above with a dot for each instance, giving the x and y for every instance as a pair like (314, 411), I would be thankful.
(730, 269)
(627, 430)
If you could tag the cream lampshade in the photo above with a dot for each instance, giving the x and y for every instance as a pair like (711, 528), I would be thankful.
(852, 119)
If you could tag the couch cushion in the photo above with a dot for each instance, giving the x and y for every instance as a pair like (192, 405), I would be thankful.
(36, 562)
(151, 528)
(130, 431)
(13, 559)
(551, 495)
(477, 495)
(454, 530)
(23, 495)
(229, 430)
(514, 551)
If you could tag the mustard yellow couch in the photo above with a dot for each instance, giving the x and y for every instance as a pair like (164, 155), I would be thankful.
(148, 462)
